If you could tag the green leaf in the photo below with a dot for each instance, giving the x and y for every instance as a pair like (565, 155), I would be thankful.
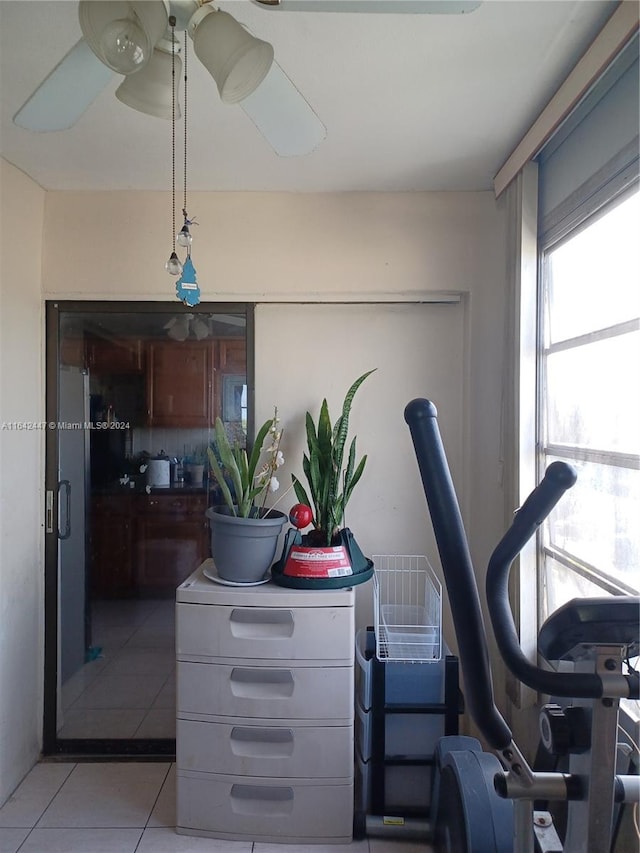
(218, 474)
(356, 477)
(243, 467)
(228, 459)
(312, 438)
(302, 496)
(299, 489)
(257, 450)
(350, 464)
(341, 437)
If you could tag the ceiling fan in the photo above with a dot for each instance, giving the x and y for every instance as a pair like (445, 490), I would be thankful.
(182, 326)
(135, 38)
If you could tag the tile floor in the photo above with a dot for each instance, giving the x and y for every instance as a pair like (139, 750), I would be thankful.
(126, 807)
(129, 690)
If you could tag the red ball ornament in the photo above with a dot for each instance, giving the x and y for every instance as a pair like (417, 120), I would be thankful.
(301, 516)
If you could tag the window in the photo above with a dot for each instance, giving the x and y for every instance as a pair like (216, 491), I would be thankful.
(589, 405)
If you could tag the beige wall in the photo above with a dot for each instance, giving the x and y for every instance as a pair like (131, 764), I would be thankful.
(267, 248)
(21, 476)
(302, 248)
(267, 245)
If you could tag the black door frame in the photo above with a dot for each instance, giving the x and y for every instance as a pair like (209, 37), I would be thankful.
(151, 749)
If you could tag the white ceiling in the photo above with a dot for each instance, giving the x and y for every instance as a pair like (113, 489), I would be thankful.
(410, 102)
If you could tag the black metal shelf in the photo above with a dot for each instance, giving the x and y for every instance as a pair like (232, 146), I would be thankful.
(381, 708)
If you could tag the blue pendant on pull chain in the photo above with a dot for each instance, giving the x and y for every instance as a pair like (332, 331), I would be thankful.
(187, 289)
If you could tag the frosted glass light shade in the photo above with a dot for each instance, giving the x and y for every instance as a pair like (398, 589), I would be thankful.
(149, 90)
(200, 328)
(123, 34)
(236, 60)
(178, 327)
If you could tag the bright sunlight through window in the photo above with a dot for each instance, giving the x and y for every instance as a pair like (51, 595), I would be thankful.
(590, 407)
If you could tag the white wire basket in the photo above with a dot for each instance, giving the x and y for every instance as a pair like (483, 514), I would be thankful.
(408, 609)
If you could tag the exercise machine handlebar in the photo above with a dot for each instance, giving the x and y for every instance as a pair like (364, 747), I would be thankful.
(558, 478)
(421, 417)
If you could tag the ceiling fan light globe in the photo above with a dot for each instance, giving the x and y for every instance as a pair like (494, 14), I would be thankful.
(125, 46)
(179, 331)
(149, 90)
(236, 60)
(200, 328)
(123, 34)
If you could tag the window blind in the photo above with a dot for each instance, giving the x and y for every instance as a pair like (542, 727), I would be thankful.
(593, 157)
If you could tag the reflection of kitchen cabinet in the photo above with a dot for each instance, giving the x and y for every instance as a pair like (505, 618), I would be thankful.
(180, 383)
(145, 544)
(111, 541)
(232, 355)
(172, 539)
(72, 351)
(123, 355)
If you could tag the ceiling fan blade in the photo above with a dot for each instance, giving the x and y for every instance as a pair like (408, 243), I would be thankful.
(396, 7)
(65, 94)
(283, 116)
(229, 319)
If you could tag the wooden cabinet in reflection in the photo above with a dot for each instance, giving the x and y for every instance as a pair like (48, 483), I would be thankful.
(180, 383)
(110, 546)
(172, 539)
(107, 357)
(232, 355)
(184, 379)
(145, 545)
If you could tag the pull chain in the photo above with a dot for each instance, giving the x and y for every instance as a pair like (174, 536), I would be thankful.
(184, 238)
(184, 206)
(173, 265)
(172, 21)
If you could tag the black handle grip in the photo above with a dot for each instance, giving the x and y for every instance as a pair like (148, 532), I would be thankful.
(558, 478)
(421, 416)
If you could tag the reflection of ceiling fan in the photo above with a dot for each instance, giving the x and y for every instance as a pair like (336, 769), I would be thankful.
(133, 38)
(182, 326)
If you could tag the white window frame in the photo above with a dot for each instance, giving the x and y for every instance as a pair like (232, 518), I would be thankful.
(608, 583)
(629, 709)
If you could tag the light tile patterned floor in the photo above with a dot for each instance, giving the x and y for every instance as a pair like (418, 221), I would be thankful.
(128, 690)
(126, 807)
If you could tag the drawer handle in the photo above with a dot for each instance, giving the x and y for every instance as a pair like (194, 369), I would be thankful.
(253, 742)
(262, 800)
(261, 683)
(256, 624)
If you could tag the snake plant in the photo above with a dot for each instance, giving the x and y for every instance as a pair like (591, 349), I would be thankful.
(330, 483)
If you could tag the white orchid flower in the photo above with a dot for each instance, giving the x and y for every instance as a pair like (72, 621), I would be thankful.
(279, 459)
(274, 484)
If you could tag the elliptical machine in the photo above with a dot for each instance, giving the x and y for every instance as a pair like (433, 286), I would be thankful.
(483, 802)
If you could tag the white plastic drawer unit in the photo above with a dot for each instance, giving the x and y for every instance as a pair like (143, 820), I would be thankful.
(264, 633)
(302, 810)
(267, 692)
(265, 750)
(264, 712)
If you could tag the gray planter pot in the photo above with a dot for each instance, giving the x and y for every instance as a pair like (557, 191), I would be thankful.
(244, 549)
